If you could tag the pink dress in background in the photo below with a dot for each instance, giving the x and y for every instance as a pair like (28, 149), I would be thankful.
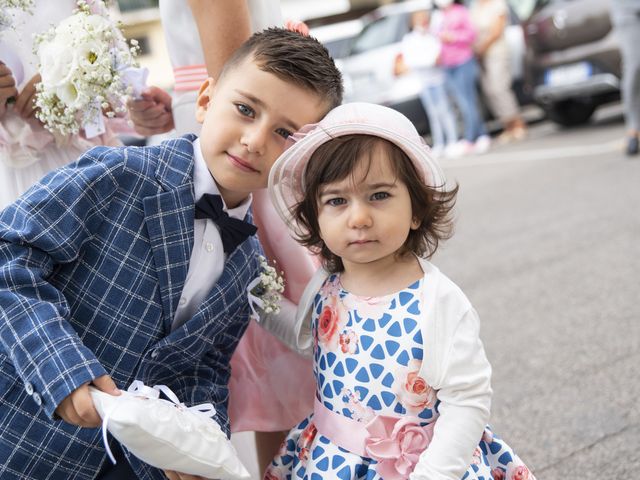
(262, 398)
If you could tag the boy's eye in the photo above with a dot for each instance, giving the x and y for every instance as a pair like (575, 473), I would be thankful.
(379, 196)
(336, 202)
(284, 133)
(245, 110)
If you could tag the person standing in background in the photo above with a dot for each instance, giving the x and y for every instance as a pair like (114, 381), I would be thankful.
(200, 36)
(625, 16)
(457, 35)
(27, 150)
(420, 53)
(490, 19)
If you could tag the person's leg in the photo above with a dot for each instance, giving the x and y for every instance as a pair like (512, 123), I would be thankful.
(629, 36)
(495, 79)
(446, 114)
(429, 99)
(469, 77)
(455, 84)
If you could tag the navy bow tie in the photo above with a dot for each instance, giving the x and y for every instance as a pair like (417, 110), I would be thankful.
(232, 231)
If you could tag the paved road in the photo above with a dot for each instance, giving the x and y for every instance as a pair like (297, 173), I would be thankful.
(548, 250)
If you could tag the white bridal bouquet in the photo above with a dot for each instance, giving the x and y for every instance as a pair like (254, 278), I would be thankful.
(87, 68)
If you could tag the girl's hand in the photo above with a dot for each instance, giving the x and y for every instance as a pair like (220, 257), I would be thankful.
(181, 476)
(25, 103)
(7, 87)
(78, 409)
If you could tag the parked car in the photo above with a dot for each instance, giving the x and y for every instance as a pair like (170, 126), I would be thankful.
(572, 59)
(337, 37)
(369, 67)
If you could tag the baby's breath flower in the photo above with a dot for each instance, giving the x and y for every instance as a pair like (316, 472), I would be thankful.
(6, 16)
(270, 287)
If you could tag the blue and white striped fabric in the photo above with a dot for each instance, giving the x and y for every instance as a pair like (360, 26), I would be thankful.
(93, 260)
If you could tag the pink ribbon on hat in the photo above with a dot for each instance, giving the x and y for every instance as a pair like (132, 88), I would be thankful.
(300, 134)
(396, 443)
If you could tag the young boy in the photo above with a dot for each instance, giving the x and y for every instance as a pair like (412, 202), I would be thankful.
(106, 277)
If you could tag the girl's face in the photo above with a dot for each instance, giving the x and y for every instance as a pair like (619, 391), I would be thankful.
(366, 218)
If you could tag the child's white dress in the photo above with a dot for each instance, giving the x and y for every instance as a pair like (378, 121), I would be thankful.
(367, 356)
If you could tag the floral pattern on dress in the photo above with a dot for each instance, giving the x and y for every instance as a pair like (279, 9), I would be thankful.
(367, 358)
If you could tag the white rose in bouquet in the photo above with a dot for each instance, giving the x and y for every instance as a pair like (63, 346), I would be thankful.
(84, 63)
(57, 63)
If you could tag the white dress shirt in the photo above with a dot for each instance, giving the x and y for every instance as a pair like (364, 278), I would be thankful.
(207, 257)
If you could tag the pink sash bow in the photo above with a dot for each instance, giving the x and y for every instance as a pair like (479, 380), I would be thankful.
(396, 443)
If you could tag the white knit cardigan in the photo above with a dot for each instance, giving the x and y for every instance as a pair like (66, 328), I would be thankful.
(454, 364)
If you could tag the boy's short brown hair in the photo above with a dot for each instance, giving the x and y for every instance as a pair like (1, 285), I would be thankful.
(336, 159)
(295, 58)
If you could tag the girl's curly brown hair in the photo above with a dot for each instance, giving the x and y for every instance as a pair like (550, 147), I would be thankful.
(336, 160)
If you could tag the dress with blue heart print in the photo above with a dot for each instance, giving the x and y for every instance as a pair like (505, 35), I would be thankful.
(367, 355)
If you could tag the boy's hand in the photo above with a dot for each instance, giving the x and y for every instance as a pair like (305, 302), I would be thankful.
(78, 409)
(7, 87)
(25, 105)
(151, 115)
(181, 476)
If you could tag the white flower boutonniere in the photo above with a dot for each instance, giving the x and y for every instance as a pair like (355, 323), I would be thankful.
(265, 291)
(87, 67)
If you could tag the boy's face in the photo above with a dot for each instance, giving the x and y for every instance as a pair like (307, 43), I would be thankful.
(246, 119)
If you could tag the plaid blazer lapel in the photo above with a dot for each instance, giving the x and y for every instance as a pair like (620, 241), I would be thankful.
(169, 219)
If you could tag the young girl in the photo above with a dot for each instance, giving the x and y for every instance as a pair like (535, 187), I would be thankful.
(402, 381)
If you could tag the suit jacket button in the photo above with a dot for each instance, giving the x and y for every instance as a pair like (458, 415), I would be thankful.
(29, 388)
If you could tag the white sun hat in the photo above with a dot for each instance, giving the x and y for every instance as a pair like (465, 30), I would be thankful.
(286, 187)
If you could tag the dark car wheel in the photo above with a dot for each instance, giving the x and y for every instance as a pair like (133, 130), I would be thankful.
(569, 113)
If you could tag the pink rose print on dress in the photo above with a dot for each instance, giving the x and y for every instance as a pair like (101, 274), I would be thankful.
(477, 456)
(518, 472)
(331, 322)
(306, 439)
(359, 412)
(412, 390)
(272, 473)
(330, 289)
(349, 342)
(497, 474)
(371, 307)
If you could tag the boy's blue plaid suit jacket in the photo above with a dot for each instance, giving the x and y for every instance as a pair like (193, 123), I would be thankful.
(93, 260)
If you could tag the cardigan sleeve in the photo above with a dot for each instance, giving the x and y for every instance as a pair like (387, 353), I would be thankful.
(293, 324)
(462, 379)
(40, 231)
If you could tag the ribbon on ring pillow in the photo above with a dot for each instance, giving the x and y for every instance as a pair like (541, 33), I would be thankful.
(139, 389)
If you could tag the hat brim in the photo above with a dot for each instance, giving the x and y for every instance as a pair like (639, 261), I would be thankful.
(286, 188)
